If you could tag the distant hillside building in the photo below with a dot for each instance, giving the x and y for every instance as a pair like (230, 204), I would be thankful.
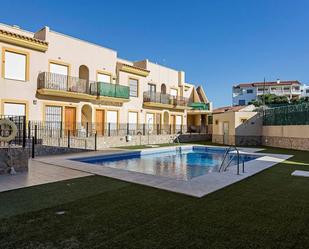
(245, 92)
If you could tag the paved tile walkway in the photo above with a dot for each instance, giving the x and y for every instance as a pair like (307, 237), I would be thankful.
(39, 173)
(197, 187)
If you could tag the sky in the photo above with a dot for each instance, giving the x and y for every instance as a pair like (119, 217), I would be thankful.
(218, 43)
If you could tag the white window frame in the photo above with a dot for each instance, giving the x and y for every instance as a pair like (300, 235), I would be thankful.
(9, 73)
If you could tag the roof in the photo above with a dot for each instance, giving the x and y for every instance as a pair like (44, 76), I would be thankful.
(269, 83)
(23, 37)
(132, 69)
(227, 109)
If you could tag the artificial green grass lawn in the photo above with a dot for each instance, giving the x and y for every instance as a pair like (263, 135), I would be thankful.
(268, 210)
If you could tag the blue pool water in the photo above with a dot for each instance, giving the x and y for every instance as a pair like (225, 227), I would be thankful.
(181, 164)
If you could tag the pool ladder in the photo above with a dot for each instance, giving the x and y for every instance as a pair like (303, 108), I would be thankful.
(225, 157)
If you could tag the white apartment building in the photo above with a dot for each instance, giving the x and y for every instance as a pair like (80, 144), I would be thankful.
(246, 92)
(55, 78)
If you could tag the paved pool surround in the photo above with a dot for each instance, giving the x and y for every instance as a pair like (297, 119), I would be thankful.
(197, 187)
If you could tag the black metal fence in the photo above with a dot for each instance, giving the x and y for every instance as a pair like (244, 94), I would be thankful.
(42, 130)
(5, 131)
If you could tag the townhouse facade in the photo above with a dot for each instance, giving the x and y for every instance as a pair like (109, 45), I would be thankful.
(64, 81)
(244, 93)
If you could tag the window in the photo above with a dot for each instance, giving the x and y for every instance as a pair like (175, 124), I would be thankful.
(101, 77)
(58, 79)
(307, 90)
(132, 120)
(112, 119)
(178, 123)
(133, 84)
(53, 116)
(151, 88)
(241, 102)
(249, 91)
(150, 121)
(59, 69)
(15, 65)
(210, 120)
(14, 109)
(174, 92)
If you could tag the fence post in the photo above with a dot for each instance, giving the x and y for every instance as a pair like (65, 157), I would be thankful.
(69, 139)
(87, 129)
(109, 129)
(158, 129)
(95, 141)
(33, 147)
(144, 129)
(24, 132)
(35, 134)
(170, 129)
(29, 129)
(128, 128)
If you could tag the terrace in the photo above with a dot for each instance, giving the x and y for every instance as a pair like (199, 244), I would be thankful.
(59, 85)
(153, 99)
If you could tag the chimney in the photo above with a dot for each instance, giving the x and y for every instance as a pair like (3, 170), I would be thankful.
(278, 81)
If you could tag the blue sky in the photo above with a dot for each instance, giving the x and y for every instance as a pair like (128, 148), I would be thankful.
(217, 43)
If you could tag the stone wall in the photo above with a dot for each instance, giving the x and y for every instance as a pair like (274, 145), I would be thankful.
(16, 157)
(44, 150)
(238, 140)
(286, 136)
(295, 143)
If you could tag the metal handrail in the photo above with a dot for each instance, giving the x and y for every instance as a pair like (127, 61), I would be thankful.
(225, 156)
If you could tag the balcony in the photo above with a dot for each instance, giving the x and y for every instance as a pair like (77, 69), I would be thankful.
(58, 85)
(199, 106)
(103, 90)
(167, 101)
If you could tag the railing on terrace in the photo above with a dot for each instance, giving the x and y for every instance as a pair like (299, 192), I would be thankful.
(61, 82)
(165, 99)
(199, 106)
(109, 90)
(41, 130)
(287, 115)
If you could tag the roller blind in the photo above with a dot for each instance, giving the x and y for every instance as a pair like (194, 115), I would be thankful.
(104, 78)
(58, 69)
(15, 66)
(112, 117)
(174, 92)
(178, 120)
(132, 118)
(13, 109)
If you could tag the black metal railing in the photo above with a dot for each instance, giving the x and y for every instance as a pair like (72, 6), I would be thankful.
(61, 82)
(164, 99)
(41, 129)
(5, 131)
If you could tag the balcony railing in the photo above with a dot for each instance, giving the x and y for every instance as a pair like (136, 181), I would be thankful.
(166, 99)
(61, 82)
(110, 90)
(65, 83)
(199, 106)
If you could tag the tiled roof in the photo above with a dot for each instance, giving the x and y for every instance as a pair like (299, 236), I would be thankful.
(227, 109)
(23, 37)
(270, 83)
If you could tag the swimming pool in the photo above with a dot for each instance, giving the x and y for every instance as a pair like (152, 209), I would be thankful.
(181, 163)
